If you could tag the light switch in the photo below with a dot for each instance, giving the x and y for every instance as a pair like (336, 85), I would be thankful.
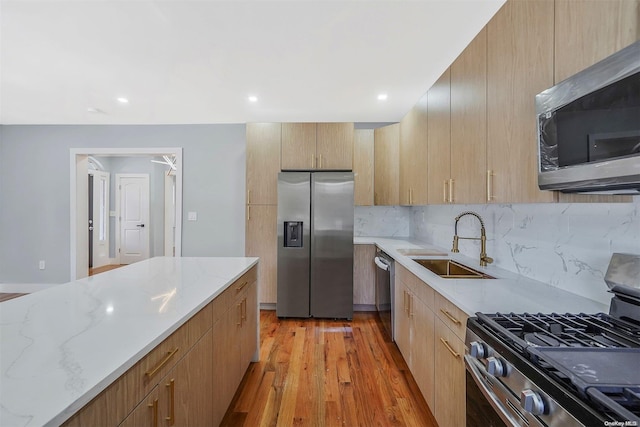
(192, 216)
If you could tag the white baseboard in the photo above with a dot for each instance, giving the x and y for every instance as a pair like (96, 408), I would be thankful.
(25, 288)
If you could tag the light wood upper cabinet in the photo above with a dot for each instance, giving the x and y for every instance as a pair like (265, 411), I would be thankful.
(363, 155)
(588, 31)
(413, 156)
(311, 146)
(469, 123)
(263, 162)
(334, 146)
(519, 66)
(386, 171)
(298, 146)
(439, 139)
(261, 240)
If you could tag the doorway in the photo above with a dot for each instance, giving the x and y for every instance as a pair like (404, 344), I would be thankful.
(79, 238)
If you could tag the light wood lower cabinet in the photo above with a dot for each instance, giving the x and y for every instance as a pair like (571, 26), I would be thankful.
(414, 330)
(449, 403)
(429, 331)
(364, 275)
(190, 378)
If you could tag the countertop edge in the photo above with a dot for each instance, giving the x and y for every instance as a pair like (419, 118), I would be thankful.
(506, 280)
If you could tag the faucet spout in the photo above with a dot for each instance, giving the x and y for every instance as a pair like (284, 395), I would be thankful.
(484, 259)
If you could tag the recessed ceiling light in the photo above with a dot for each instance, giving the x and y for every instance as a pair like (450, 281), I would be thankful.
(382, 97)
(123, 100)
(253, 98)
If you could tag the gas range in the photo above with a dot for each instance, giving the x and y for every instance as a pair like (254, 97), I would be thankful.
(559, 369)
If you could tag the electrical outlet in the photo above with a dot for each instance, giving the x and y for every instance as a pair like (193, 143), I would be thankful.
(41, 265)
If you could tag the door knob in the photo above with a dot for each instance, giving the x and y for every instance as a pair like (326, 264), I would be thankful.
(140, 225)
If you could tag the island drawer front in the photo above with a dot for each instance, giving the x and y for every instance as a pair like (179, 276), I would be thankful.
(451, 315)
(223, 301)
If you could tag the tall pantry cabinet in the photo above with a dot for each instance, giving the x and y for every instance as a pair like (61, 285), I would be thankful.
(263, 166)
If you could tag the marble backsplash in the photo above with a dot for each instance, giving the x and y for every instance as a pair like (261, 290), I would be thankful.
(382, 221)
(565, 245)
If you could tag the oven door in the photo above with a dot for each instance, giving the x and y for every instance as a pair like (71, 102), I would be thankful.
(489, 403)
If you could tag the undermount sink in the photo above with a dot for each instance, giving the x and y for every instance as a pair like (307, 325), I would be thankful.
(420, 252)
(450, 269)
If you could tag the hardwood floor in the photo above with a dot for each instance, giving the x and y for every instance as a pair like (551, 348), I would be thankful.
(104, 268)
(327, 373)
(6, 296)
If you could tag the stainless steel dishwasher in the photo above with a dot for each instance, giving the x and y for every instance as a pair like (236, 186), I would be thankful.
(385, 289)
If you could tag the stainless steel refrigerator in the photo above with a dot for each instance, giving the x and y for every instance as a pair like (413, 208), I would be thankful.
(315, 244)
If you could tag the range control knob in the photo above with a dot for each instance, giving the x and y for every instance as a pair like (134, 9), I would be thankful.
(477, 350)
(496, 367)
(532, 402)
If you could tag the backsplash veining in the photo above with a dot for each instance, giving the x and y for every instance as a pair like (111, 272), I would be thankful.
(565, 245)
(382, 221)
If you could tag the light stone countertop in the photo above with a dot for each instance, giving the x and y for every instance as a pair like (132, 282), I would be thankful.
(60, 347)
(508, 292)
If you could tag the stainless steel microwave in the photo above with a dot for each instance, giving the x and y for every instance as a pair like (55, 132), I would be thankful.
(589, 128)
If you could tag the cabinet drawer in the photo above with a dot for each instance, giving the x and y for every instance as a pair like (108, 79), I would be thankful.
(244, 281)
(451, 315)
(199, 324)
(406, 277)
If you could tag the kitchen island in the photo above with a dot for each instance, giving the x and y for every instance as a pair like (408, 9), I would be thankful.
(64, 346)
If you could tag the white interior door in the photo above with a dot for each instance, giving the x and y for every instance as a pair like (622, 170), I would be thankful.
(169, 214)
(133, 217)
(100, 218)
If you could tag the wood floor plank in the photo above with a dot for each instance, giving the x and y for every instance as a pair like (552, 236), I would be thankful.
(315, 372)
(291, 386)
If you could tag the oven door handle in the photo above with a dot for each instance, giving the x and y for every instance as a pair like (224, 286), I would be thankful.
(381, 264)
(488, 394)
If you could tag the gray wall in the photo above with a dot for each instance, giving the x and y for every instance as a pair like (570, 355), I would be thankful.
(34, 196)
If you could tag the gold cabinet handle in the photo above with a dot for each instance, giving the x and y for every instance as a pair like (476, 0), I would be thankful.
(248, 212)
(404, 301)
(150, 373)
(239, 307)
(451, 190)
(444, 191)
(172, 402)
(241, 287)
(320, 165)
(452, 351)
(154, 408)
(489, 185)
(410, 305)
(313, 161)
(450, 316)
(248, 197)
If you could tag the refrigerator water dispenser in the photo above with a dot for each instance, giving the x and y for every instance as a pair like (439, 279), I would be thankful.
(293, 234)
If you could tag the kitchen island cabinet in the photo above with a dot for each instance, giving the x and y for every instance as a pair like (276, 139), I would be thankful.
(127, 343)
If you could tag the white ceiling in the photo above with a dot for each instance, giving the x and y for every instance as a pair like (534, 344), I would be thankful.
(198, 61)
